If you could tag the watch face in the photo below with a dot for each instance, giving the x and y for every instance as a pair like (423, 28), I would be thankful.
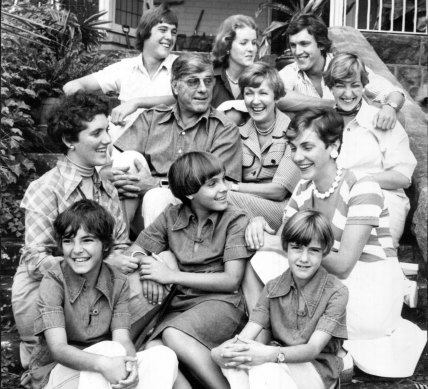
(281, 357)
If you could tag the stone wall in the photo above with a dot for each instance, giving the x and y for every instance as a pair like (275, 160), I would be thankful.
(405, 55)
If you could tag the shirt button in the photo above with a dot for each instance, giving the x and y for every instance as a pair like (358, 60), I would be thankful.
(179, 151)
(183, 133)
(95, 311)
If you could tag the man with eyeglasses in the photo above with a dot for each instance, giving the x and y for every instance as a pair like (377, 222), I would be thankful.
(162, 134)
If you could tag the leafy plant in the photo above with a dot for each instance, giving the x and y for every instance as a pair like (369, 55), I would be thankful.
(278, 29)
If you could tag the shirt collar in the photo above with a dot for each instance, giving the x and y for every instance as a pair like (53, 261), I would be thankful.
(166, 63)
(176, 112)
(72, 178)
(302, 73)
(75, 283)
(311, 292)
(185, 213)
(365, 115)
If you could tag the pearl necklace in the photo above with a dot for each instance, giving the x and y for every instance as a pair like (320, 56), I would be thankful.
(231, 79)
(264, 132)
(332, 187)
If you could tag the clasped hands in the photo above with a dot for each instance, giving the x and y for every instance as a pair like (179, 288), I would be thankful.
(121, 372)
(242, 353)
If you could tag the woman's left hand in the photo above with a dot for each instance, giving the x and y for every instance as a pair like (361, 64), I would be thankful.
(150, 269)
(386, 118)
(131, 381)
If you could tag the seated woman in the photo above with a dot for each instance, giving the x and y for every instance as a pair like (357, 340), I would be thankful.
(384, 155)
(363, 256)
(83, 320)
(234, 49)
(80, 128)
(268, 173)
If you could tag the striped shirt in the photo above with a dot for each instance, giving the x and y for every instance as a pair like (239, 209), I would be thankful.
(45, 199)
(272, 162)
(357, 201)
(297, 80)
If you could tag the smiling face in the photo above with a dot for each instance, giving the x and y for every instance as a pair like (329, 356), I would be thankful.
(194, 93)
(211, 197)
(311, 155)
(161, 41)
(244, 47)
(83, 253)
(306, 51)
(348, 93)
(91, 148)
(304, 261)
(260, 103)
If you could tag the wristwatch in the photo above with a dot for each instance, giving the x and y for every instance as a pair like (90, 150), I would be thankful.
(281, 356)
(393, 105)
(234, 187)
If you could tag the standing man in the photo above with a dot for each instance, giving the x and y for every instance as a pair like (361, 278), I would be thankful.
(304, 82)
(163, 133)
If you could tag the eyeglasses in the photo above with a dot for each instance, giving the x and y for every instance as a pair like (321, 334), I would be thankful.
(194, 82)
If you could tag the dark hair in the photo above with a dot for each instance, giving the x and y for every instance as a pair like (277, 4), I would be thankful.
(315, 27)
(190, 171)
(326, 122)
(258, 72)
(90, 216)
(189, 64)
(306, 225)
(226, 35)
(71, 115)
(345, 66)
(161, 14)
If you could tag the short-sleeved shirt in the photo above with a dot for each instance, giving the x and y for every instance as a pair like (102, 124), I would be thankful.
(297, 80)
(160, 135)
(222, 91)
(369, 150)
(358, 200)
(63, 303)
(325, 300)
(222, 239)
(130, 78)
(52, 194)
(272, 162)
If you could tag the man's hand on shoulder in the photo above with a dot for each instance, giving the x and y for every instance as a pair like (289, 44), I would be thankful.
(386, 118)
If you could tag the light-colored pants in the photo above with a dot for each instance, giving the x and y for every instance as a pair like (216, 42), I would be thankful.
(157, 368)
(275, 376)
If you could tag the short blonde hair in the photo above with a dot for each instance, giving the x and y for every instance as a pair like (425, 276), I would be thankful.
(345, 66)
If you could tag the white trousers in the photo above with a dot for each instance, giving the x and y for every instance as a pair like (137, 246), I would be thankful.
(275, 376)
(157, 369)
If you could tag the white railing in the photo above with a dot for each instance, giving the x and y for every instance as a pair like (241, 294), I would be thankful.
(397, 16)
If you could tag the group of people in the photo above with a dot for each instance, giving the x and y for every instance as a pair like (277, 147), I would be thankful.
(247, 193)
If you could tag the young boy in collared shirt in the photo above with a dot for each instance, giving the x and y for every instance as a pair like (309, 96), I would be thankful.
(305, 309)
(83, 323)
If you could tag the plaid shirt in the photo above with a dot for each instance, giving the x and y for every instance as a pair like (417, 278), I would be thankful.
(45, 199)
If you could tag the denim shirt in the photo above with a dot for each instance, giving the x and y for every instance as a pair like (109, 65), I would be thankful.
(63, 303)
(325, 300)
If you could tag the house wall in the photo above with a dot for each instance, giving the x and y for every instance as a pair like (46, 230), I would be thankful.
(214, 14)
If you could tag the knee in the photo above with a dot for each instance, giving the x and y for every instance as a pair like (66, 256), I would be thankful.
(171, 337)
(164, 355)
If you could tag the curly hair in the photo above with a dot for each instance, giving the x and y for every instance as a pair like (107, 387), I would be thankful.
(226, 35)
(345, 66)
(258, 72)
(161, 14)
(71, 115)
(315, 26)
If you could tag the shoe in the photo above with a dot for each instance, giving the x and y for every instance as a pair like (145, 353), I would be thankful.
(348, 369)
(410, 293)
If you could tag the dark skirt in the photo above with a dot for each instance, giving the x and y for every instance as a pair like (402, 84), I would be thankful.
(209, 320)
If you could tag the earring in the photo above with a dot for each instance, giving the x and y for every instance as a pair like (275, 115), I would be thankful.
(228, 52)
(334, 154)
(71, 147)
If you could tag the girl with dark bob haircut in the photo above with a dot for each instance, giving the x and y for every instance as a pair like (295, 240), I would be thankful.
(72, 115)
(254, 75)
(189, 172)
(161, 14)
(90, 216)
(327, 124)
(306, 225)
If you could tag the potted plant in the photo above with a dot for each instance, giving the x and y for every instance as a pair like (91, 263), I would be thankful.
(276, 31)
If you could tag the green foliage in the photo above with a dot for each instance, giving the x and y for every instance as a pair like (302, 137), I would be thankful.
(41, 50)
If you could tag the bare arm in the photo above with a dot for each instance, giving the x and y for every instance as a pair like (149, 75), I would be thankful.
(354, 238)
(87, 83)
(295, 102)
(270, 191)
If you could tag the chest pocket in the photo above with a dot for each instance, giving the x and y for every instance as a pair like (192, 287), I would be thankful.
(275, 154)
(248, 158)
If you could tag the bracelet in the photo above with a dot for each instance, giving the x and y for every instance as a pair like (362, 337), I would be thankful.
(138, 252)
